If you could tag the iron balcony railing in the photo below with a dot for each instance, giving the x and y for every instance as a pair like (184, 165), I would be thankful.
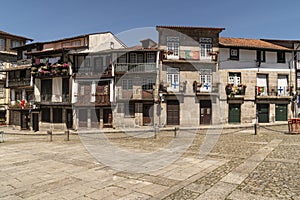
(272, 90)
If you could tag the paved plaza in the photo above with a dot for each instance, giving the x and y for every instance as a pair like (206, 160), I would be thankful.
(240, 165)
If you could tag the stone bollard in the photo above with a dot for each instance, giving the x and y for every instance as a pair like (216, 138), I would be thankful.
(49, 135)
(67, 135)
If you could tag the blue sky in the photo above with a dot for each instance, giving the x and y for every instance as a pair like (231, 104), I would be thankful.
(55, 19)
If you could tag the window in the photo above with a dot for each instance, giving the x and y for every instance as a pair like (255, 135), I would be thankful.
(2, 93)
(234, 78)
(129, 109)
(173, 46)
(140, 58)
(234, 54)
(150, 57)
(280, 57)
(148, 84)
(205, 48)
(78, 60)
(98, 61)
(15, 43)
(133, 58)
(87, 62)
(260, 56)
(46, 89)
(206, 80)
(127, 84)
(122, 58)
(2, 44)
(173, 79)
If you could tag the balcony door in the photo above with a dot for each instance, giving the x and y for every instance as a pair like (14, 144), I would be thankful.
(282, 87)
(262, 84)
(46, 90)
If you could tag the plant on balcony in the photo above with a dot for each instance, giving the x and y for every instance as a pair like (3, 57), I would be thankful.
(232, 89)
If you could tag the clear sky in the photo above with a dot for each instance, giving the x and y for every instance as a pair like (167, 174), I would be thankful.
(44, 20)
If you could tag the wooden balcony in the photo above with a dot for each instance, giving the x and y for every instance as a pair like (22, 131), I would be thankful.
(19, 82)
(121, 68)
(135, 94)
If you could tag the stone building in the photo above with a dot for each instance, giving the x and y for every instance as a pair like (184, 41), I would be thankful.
(189, 85)
(8, 62)
(136, 74)
(68, 75)
(258, 82)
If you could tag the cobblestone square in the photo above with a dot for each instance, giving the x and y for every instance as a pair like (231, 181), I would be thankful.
(240, 166)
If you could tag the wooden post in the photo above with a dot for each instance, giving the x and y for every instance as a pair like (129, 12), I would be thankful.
(49, 135)
(67, 135)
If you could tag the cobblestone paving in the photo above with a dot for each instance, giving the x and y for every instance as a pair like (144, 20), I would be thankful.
(34, 168)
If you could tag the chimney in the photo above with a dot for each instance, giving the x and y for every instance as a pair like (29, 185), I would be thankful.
(148, 43)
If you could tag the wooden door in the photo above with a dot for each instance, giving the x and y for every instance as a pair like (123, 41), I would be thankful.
(234, 113)
(95, 118)
(147, 114)
(281, 112)
(205, 112)
(83, 118)
(173, 112)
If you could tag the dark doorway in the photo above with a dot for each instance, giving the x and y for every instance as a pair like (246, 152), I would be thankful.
(107, 118)
(205, 112)
(69, 118)
(25, 120)
(35, 122)
(263, 113)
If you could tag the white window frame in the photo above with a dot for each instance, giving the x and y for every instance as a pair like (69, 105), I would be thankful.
(173, 46)
(234, 79)
(173, 79)
(205, 48)
(127, 84)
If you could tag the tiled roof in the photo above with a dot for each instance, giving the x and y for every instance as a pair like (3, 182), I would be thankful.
(190, 27)
(250, 43)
